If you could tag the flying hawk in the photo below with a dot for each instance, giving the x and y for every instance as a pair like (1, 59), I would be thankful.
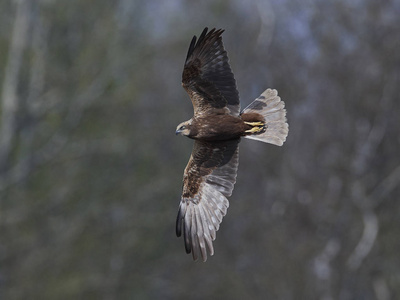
(216, 127)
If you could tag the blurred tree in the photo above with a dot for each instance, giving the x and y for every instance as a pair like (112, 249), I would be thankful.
(90, 170)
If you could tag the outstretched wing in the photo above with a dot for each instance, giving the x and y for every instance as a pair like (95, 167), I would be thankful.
(208, 180)
(207, 76)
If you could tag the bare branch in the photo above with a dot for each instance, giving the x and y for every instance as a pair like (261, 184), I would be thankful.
(381, 289)
(323, 267)
(9, 92)
(385, 187)
(367, 202)
(364, 246)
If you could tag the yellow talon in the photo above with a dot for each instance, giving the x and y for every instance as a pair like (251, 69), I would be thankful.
(254, 123)
(254, 130)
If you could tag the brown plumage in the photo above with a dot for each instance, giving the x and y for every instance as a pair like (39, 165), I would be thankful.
(216, 127)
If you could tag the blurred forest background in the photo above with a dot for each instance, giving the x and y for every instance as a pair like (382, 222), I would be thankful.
(91, 170)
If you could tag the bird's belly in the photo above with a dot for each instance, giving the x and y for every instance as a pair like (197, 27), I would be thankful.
(218, 128)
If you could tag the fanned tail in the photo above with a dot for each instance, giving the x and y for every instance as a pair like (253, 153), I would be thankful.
(275, 128)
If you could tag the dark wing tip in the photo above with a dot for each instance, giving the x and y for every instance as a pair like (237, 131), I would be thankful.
(213, 33)
(191, 47)
(180, 226)
(193, 42)
(179, 221)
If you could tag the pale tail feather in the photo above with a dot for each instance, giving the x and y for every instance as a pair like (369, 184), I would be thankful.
(270, 106)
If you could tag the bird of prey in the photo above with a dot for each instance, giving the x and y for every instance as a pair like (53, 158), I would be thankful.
(216, 127)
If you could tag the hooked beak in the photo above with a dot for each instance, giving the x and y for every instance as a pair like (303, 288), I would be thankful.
(178, 132)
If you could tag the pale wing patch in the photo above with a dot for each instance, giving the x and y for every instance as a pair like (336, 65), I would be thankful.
(201, 221)
(200, 217)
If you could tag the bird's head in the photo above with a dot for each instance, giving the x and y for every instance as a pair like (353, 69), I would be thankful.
(184, 128)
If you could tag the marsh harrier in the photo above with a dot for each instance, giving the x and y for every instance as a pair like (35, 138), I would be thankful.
(216, 127)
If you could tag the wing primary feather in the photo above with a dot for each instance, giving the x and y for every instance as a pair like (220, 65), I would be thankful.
(206, 232)
(179, 220)
(211, 226)
(193, 233)
(212, 211)
(178, 226)
(186, 235)
(191, 47)
(203, 34)
(193, 43)
(188, 228)
(200, 233)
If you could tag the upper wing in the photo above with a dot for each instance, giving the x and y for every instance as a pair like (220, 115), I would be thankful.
(208, 179)
(207, 76)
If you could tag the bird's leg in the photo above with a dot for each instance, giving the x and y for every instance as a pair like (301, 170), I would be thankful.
(257, 127)
(254, 123)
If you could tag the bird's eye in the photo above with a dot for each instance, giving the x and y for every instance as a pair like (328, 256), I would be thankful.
(183, 127)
